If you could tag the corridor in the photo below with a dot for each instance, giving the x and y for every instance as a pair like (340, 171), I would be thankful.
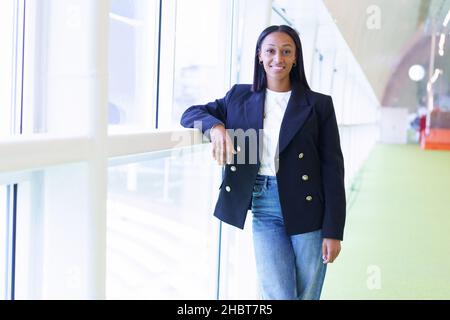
(396, 244)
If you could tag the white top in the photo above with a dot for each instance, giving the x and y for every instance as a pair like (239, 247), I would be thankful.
(274, 107)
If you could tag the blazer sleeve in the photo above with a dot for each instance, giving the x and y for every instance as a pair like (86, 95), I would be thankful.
(204, 117)
(332, 168)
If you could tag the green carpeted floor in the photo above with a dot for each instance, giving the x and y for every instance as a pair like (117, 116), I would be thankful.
(397, 236)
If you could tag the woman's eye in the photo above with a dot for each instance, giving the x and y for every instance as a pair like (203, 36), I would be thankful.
(287, 52)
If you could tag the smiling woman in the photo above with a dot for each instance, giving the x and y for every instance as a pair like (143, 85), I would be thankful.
(298, 223)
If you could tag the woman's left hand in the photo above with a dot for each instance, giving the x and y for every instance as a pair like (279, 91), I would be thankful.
(330, 249)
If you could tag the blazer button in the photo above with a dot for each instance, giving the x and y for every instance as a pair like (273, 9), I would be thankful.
(305, 177)
(228, 188)
(309, 198)
(301, 155)
(233, 168)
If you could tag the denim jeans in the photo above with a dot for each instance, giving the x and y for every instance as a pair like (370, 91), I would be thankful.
(288, 267)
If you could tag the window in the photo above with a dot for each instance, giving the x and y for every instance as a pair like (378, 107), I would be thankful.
(11, 63)
(199, 70)
(163, 241)
(26, 243)
(11, 24)
(132, 63)
(53, 238)
(5, 254)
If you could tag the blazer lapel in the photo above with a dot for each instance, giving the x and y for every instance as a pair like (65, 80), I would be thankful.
(297, 112)
(253, 117)
(254, 110)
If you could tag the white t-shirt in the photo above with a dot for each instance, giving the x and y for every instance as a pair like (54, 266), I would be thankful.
(274, 107)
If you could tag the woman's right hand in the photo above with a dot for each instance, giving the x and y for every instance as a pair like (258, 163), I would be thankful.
(222, 146)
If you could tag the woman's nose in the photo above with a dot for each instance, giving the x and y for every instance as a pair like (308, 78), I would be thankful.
(278, 57)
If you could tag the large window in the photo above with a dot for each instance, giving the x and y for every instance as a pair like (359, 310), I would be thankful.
(11, 66)
(26, 232)
(11, 33)
(194, 61)
(132, 63)
(162, 240)
(6, 52)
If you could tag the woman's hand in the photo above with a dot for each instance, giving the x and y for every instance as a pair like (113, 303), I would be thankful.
(330, 249)
(222, 146)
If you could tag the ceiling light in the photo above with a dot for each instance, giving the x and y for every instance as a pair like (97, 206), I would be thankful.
(416, 72)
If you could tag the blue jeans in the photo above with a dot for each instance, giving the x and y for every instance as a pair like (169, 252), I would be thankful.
(288, 267)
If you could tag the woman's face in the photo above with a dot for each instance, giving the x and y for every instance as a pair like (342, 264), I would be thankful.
(278, 56)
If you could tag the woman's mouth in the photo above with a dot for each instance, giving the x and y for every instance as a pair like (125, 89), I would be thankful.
(277, 68)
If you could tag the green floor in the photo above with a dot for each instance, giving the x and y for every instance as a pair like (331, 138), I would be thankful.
(397, 237)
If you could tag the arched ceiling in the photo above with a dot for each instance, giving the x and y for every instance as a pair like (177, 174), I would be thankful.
(402, 39)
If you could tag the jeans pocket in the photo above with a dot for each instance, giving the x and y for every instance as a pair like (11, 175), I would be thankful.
(258, 190)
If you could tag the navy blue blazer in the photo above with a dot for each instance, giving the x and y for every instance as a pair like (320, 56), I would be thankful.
(310, 164)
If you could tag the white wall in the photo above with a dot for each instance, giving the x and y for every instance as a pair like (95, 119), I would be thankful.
(394, 125)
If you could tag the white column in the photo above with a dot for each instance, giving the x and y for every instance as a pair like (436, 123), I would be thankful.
(75, 96)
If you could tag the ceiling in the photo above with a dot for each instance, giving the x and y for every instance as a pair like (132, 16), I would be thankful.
(386, 51)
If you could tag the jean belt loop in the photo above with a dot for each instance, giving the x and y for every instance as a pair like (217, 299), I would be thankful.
(266, 182)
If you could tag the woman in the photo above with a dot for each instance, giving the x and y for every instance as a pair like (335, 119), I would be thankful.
(295, 186)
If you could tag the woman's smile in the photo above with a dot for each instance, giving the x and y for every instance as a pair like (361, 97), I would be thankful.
(278, 68)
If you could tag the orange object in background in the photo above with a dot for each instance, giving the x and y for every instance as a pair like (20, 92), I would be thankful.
(436, 139)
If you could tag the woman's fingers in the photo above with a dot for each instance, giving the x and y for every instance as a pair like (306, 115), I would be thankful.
(222, 152)
(324, 252)
(218, 153)
(330, 250)
(229, 151)
(222, 148)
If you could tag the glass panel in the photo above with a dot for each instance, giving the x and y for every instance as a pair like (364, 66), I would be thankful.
(3, 243)
(132, 60)
(29, 240)
(162, 238)
(238, 279)
(54, 264)
(7, 19)
(200, 69)
(62, 73)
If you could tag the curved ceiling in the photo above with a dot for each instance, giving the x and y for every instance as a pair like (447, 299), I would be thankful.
(387, 37)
